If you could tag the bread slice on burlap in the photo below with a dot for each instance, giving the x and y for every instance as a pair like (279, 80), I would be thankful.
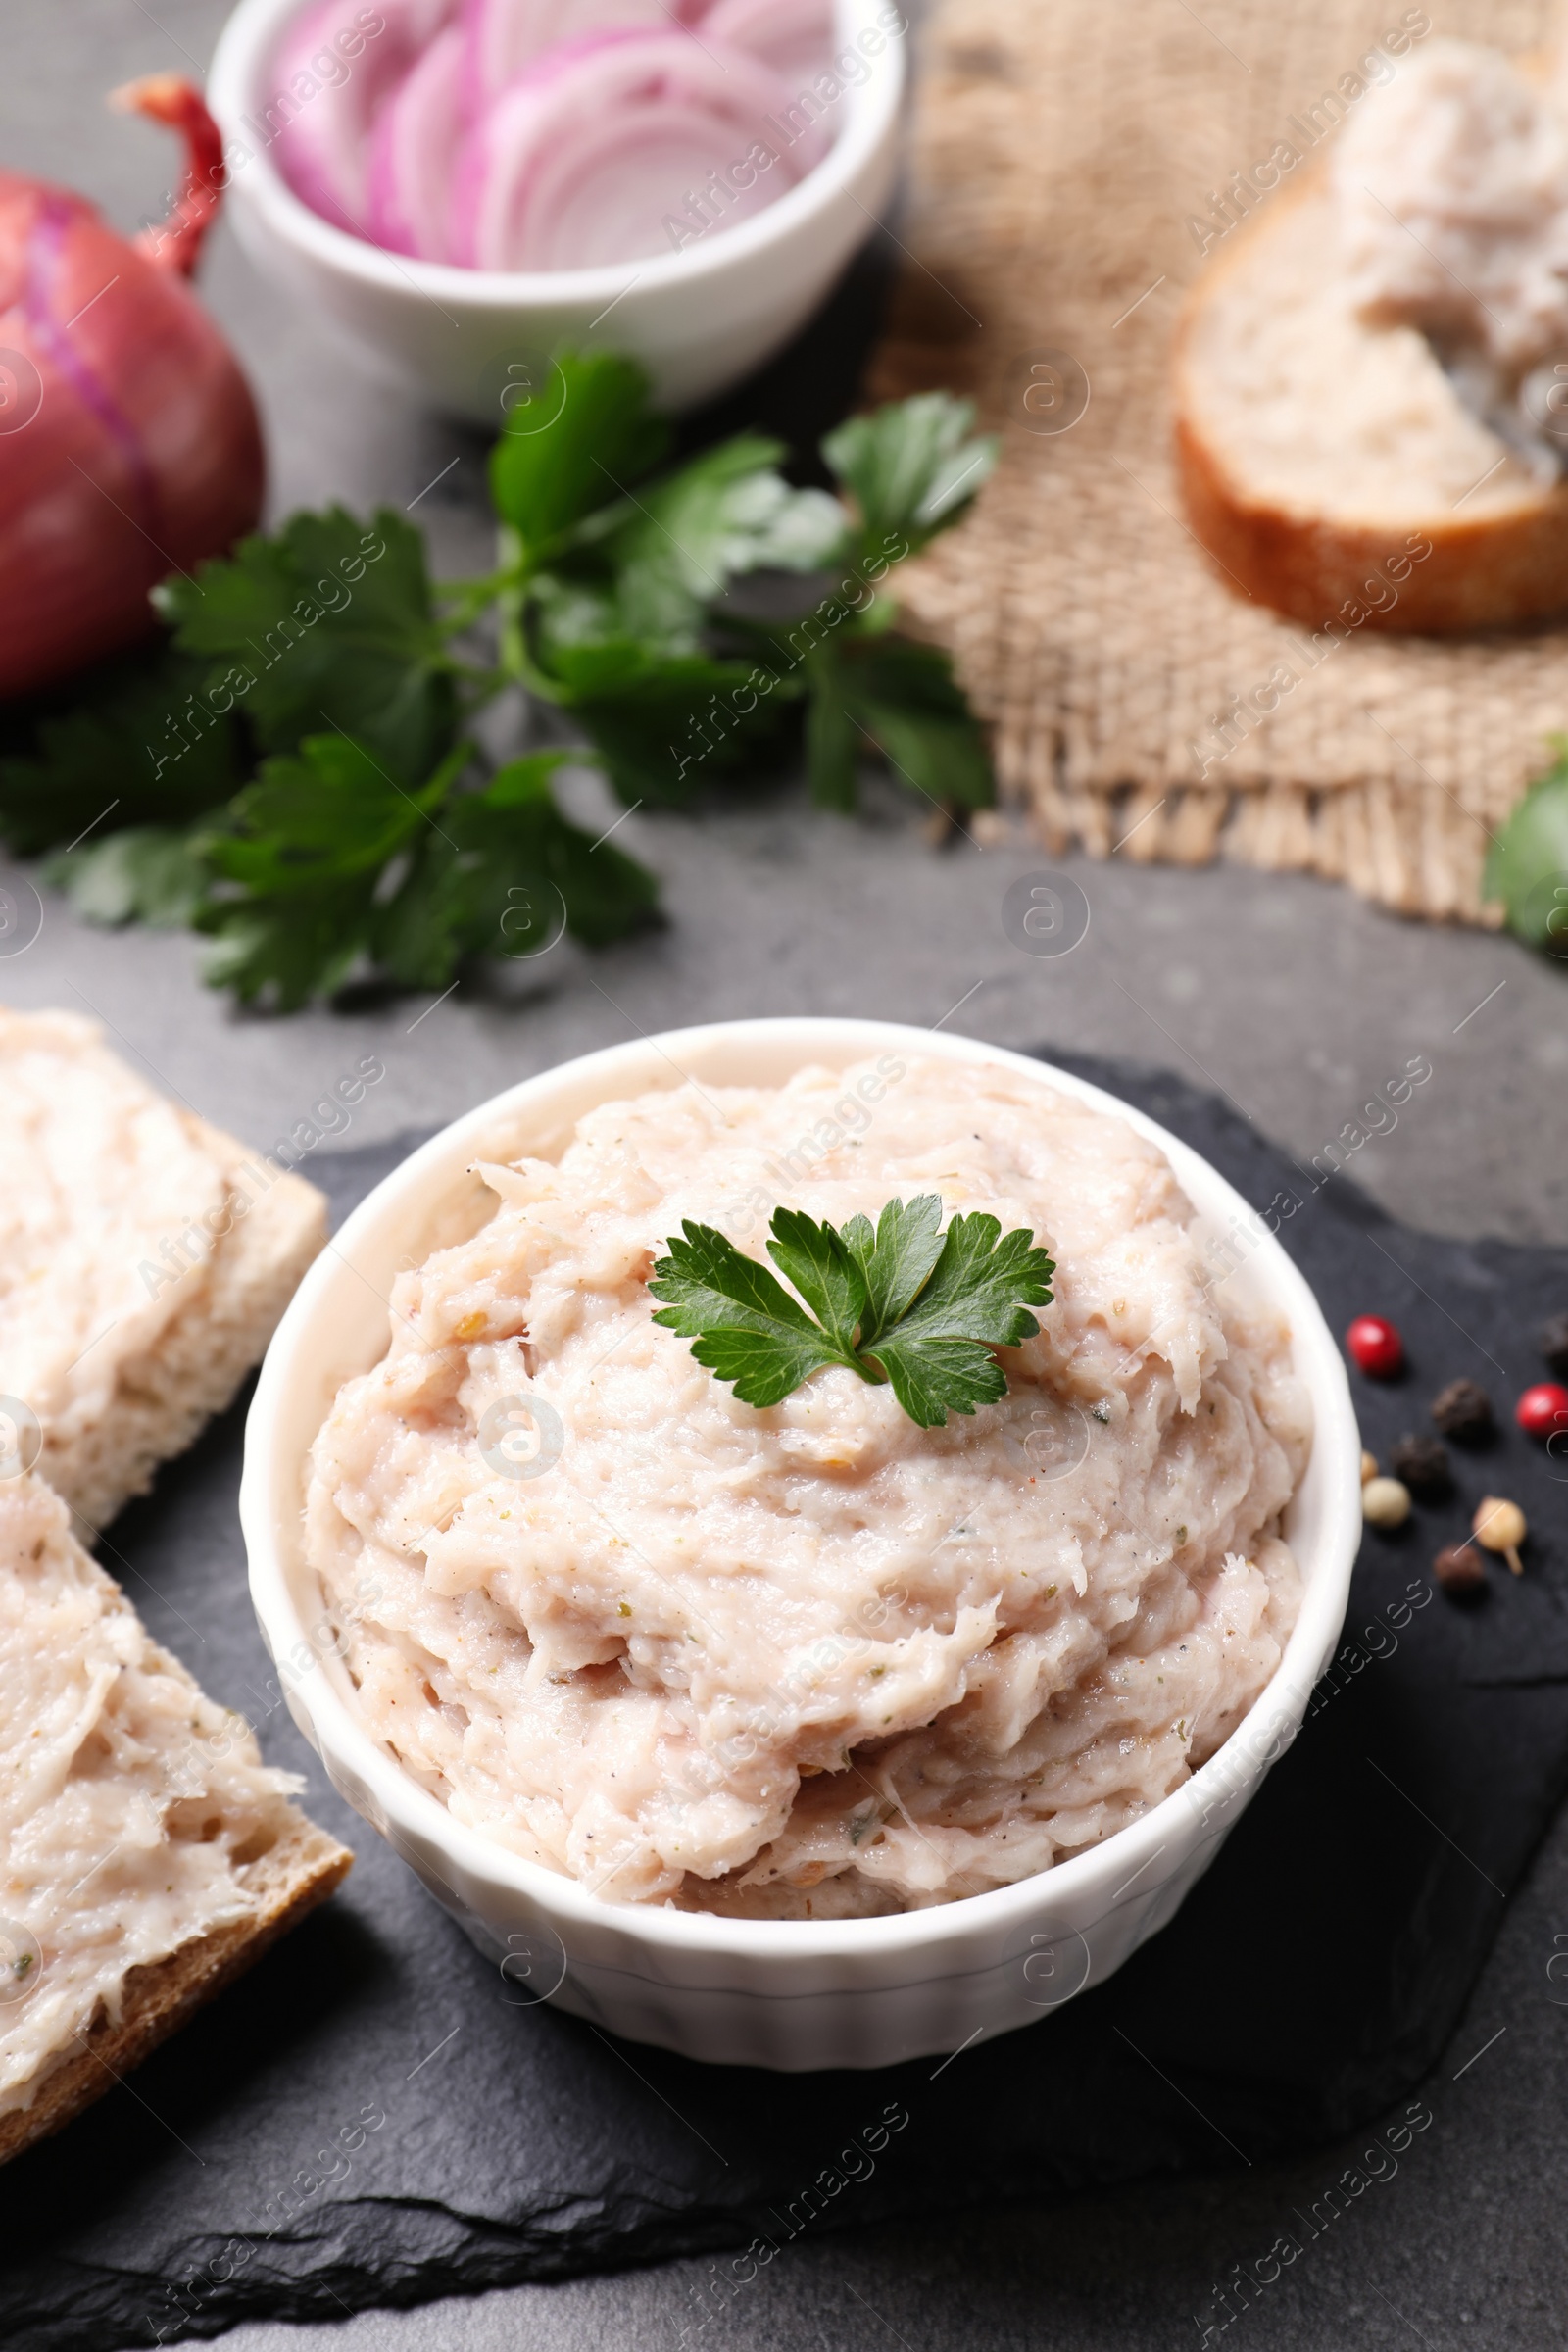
(147, 1855)
(145, 1259)
(1319, 454)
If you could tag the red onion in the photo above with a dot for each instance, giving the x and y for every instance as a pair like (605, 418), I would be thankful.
(130, 446)
(414, 152)
(795, 38)
(506, 35)
(591, 153)
(335, 65)
(548, 135)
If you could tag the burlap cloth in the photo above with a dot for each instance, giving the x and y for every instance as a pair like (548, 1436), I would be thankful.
(1059, 149)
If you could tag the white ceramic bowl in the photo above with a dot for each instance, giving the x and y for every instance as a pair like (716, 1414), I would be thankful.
(699, 320)
(791, 1994)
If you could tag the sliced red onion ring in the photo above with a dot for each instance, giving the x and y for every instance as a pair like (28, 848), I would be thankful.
(792, 36)
(330, 73)
(607, 196)
(414, 153)
(591, 155)
(506, 35)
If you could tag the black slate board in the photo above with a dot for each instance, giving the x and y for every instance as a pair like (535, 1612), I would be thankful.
(1308, 1983)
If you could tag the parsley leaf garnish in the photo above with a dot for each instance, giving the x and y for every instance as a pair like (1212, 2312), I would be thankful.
(901, 1302)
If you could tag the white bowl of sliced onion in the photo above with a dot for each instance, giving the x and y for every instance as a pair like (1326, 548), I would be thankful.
(462, 186)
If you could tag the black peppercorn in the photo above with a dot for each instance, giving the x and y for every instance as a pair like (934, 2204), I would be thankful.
(1463, 1410)
(1459, 1569)
(1553, 1343)
(1423, 1464)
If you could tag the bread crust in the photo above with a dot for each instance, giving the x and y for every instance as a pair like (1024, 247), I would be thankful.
(299, 1872)
(1485, 576)
(1485, 572)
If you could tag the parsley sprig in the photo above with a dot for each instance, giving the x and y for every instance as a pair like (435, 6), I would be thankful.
(901, 1302)
(296, 772)
(1527, 864)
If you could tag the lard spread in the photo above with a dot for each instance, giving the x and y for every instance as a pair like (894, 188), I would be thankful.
(812, 1661)
(130, 1803)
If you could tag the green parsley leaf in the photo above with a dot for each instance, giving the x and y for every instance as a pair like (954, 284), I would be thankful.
(312, 837)
(623, 626)
(367, 839)
(600, 438)
(660, 725)
(904, 699)
(911, 467)
(746, 1327)
(835, 742)
(685, 537)
(888, 694)
(932, 1377)
(285, 949)
(331, 864)
(143, 745)
(936, 1353)
(329, 814)
(903, 1303)
(329, 623)
(826, 1272)
(1527, 864)
(501, 873)
(153, 874)
(897, 1258)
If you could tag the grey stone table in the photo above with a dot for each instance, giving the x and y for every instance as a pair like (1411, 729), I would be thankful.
(1286, 996)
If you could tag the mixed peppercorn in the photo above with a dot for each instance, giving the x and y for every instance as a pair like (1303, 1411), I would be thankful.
(1462, 1412)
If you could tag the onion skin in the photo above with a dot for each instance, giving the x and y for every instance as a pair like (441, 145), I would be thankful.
(129, 444)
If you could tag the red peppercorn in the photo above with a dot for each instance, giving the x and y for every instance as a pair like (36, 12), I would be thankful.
(1543, 1411)
(1376, 1347)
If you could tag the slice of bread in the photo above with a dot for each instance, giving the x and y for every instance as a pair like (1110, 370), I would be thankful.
(147, 1855)
(1319, 455)
(145, 1258)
